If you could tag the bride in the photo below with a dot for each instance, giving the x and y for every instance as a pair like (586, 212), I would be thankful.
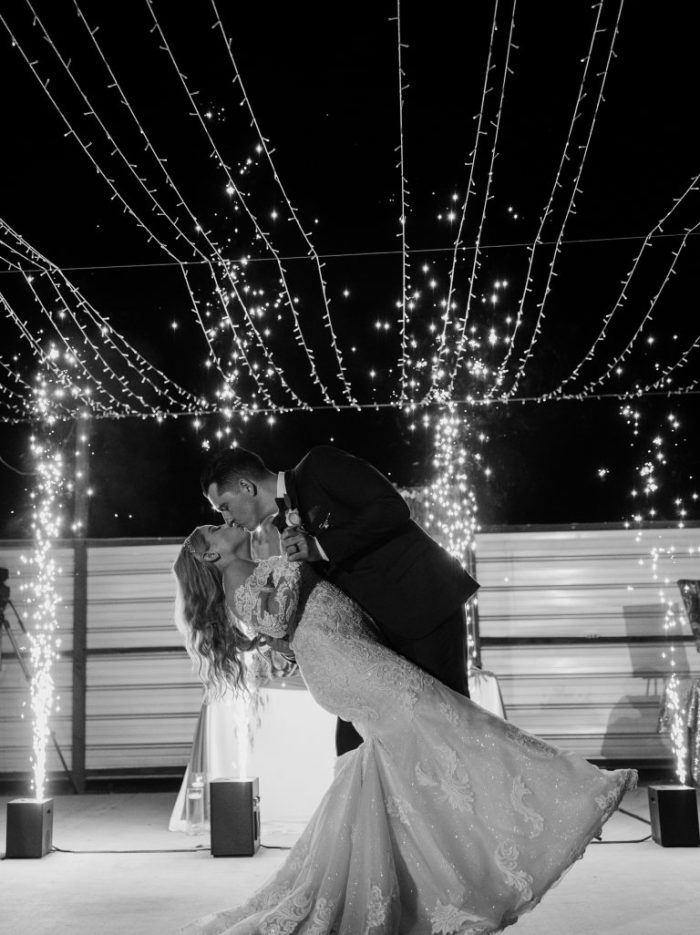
(446, 819)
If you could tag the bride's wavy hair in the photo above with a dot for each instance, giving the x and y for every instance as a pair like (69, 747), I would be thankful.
(212, 639)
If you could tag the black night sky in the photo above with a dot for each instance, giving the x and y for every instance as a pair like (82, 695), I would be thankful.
(323, 83)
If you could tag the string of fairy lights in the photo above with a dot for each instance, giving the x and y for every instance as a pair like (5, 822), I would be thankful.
(616, 363)
(261, 234)
(227, 399)
(476, 261)
(450, 360)
(623, 296)
(401, 166)
(470, 189)
(293, 214)
(72, 319)
(528, 283)
(230, 271)
(575, 188)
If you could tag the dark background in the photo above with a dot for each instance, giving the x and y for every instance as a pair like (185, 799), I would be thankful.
(322, 80)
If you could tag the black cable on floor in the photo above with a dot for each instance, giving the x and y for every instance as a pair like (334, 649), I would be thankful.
(630, 841)
(634, 815)
(167, 850)
(598, 839)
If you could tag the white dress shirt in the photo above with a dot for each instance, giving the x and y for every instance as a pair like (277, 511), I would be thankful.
(282, 495)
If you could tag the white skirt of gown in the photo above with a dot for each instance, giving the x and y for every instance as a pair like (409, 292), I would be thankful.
(215, 753)
(447, 819)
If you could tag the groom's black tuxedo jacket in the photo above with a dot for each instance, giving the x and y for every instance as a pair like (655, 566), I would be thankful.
(377, 554)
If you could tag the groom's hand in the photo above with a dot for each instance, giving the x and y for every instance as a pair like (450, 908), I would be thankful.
(299, 547)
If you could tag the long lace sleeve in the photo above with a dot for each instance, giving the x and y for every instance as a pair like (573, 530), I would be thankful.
(268, 599)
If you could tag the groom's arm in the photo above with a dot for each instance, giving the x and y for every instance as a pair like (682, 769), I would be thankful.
(377, 510)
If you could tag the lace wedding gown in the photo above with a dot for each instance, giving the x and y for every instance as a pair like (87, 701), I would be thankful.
(446, 819)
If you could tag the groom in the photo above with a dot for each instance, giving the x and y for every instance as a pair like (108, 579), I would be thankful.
(350, 521)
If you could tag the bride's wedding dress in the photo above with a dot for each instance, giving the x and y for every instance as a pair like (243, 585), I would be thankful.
(446, 819)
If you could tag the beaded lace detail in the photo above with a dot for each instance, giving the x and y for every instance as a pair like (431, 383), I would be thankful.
(276, 578)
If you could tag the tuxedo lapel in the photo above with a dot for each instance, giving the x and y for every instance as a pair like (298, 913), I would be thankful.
(290, 484)
(300, 499)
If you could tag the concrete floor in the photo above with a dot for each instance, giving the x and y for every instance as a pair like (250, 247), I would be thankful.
(617, 889)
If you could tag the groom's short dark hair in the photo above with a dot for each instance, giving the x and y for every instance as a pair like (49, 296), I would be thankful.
(227, 466)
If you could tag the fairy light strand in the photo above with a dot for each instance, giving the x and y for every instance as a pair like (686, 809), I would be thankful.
(262, 387)
(49, 361)
(244, 202)
(470, 188)
(591, 385)
(108, 332)
(404, 206)
(161, 210)
(71, 349)
(665, 377)
(532, 247)
(8, 391)
(151, 235)
(71, 354)
(294, 214)
(476, 262)
(575, 188)
(653, 234)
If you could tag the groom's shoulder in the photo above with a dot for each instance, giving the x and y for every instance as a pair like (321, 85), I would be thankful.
(327, 461)
(323, 453)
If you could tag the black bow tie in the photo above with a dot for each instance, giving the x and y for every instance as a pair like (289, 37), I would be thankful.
(280, 520)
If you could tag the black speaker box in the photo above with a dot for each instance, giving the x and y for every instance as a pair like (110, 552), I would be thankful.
(235, 817)
(674, 816)
(29, 827)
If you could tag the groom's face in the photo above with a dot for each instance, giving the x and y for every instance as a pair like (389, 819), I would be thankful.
(236, 503)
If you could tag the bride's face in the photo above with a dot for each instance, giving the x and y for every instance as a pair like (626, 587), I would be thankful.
(224, 539)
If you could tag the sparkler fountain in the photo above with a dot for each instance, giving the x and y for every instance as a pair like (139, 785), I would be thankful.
(30, 821)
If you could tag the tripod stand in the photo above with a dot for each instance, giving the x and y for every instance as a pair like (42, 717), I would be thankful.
(5, 624)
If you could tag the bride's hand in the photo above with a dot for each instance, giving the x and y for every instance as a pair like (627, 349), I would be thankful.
(279, 646)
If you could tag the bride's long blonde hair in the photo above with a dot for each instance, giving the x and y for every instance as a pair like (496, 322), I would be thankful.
(212, 639)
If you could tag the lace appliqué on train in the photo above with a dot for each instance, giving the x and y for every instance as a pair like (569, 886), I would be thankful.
(452, 779)
(531, 743)
(286, 917)
(517, 794)
(377, 909)
(268, 897)
(448, 919)
(506, 858)
(450, 713)
(399, 808)
(322, 917)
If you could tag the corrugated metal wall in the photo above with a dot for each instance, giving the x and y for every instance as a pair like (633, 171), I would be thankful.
(567, 621)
